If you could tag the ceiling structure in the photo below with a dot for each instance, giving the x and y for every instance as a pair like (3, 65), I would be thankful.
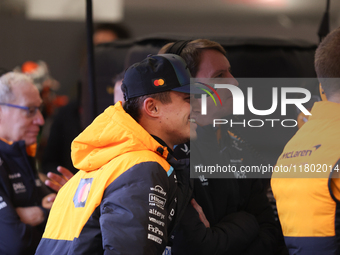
(24, 39)
(294, 8)
(278, 18)
(236, 7)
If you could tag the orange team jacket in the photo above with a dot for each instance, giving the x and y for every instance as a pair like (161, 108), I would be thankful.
(306, 184)
(127, 196)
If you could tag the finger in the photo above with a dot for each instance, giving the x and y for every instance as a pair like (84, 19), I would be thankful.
(196, 206)
(193, 201)
(51, 197)
(48, 200)
(53, 185)
(65, 172)
(57, 178)
(201, 214)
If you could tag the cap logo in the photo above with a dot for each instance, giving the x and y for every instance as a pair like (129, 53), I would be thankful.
(159, 82)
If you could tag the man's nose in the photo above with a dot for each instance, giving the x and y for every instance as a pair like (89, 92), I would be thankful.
(195, 104)
(39, 119)
(233, 81)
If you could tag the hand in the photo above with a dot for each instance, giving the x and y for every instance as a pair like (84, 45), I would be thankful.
(48, 200)
(32, 215)
(200, 213)
(57, 181)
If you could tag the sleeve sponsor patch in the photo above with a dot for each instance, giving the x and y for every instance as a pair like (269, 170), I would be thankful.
(82, 192)
(157, 200)
(3, 205)
(155, 238)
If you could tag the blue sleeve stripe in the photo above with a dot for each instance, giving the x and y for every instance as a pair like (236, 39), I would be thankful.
(170, 170)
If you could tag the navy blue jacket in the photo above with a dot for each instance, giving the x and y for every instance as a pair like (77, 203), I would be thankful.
(19, 187)
(240, 216)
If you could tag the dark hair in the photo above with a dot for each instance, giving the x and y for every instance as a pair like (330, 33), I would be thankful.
(134, 105)
(119, 29)
(191, 53)
(327, 62)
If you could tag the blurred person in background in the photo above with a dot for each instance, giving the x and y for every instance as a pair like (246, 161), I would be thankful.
(118, 93)
(46, 84)
(67, 122)
(230, 215)
(109, 32)
(308, 199)
(24, 200)
(56, 181)
(48, 87)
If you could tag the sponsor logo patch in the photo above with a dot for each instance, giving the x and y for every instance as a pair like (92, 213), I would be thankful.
(3, 205)
(159, 222)
(158, 189)
(185, 149)
(157, 213)
(19, 187)
(300, 153)
(154, 238)
(159, 83)
(203, 180)
(38, 183)
(155, 230)
(14, 176)
(82, 192)
(157, 200)
(167, 250)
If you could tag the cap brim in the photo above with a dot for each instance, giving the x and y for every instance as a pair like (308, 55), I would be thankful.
(195, 88)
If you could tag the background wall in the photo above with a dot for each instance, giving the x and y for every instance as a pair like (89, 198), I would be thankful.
(62, 44)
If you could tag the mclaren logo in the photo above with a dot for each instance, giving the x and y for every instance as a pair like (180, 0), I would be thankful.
(300, 153)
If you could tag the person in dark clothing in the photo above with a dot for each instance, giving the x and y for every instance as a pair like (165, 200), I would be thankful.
(24, 200)
(72, 119)
(233, 215)
(109, 32)
(240, 217)
(65, 128)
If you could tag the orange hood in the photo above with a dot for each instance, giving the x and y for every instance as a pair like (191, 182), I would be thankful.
(112, 133)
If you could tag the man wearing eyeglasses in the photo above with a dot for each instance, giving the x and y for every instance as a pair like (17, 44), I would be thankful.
(24, 199)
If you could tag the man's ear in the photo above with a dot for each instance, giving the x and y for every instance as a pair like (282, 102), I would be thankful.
(322, 93)
(151, 107)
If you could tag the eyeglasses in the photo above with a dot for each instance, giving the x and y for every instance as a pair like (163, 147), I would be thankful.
(30, 111)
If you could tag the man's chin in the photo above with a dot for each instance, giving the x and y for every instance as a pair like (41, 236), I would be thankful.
(193, 135)
(29, 142)
(204, 121)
